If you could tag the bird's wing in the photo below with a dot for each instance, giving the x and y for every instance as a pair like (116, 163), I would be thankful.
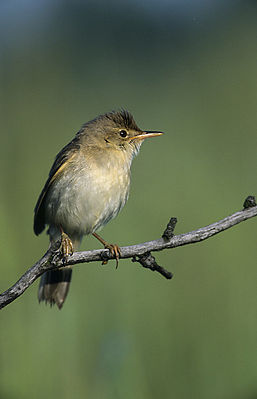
(61, 161)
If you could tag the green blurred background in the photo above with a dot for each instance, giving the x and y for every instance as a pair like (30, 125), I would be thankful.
(187, 68)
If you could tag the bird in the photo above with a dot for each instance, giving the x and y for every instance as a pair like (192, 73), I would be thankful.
(87, 186)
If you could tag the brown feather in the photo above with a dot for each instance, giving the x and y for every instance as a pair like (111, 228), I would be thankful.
(61, 161)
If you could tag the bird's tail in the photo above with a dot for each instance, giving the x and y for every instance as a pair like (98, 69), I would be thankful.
(54, 286)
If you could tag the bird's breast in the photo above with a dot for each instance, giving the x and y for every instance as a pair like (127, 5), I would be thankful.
(89, 194)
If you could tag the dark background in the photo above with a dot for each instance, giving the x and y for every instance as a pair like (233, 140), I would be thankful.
(187, 68)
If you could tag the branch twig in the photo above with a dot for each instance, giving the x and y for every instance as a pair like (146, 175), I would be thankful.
(140, 252)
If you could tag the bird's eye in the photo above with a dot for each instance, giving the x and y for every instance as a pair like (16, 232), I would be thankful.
(123, 133)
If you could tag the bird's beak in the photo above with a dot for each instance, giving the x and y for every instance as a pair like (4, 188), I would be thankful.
(146, 134)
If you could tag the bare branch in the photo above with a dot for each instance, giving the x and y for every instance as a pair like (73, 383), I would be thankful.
(148, 261)
(139, 253)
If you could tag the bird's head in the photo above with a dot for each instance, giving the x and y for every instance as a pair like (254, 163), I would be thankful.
(117, 130)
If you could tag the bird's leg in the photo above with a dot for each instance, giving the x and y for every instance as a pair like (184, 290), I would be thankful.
(66, 244)
(113, 248)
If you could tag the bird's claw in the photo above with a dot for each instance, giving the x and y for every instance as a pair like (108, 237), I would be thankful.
(66, 246)
(114, 251)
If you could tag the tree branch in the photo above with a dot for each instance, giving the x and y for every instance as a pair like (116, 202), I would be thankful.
(139, 253)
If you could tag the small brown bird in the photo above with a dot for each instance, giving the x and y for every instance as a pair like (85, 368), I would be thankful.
(87, 186)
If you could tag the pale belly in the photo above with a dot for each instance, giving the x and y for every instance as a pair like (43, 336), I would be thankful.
(84, 204)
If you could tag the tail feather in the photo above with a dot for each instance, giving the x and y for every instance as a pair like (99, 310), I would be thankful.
(54, 286)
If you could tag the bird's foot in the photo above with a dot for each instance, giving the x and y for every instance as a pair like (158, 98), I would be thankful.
(66, 246)
(113, 248)
(114, 251)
